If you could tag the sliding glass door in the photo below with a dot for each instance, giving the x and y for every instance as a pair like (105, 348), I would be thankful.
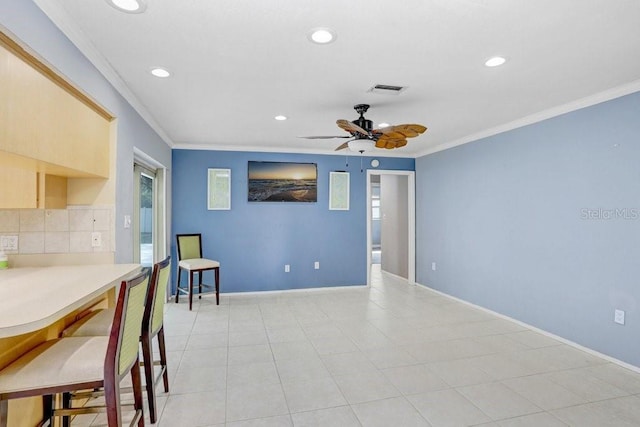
(144, 215)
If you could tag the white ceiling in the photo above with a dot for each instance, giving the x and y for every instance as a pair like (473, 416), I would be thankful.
(238, 63)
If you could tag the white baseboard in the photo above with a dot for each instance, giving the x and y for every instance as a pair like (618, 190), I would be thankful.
(281, 291)
(396, 276)
(540, 331)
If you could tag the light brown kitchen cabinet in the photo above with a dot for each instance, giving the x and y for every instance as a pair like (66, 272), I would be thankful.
(49, 132)
(25, 188)
(18, 187)
(52, 191)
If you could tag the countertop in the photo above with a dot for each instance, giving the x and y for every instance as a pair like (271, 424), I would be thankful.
(36, 297)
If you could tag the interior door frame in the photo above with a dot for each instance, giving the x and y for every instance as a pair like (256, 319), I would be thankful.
(140, 170)
(411, 220)
(161, 213)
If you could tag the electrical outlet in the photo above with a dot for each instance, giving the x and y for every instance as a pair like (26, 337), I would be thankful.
(433, 266)
(316, 265)
(287, 268)
(96, 239)
(9, 243)
(127, 221)
(618, 317)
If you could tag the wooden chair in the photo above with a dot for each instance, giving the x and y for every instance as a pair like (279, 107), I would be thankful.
(153, 326)
(190, 259)
(99, 323)
(66, 365)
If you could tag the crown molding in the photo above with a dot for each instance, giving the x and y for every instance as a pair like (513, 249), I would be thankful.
(290, 150)
(578, 104)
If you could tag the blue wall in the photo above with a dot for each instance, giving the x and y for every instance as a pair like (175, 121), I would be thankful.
(253, 241)
(504, 219)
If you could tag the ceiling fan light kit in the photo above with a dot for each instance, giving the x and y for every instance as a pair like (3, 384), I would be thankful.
(361, 145)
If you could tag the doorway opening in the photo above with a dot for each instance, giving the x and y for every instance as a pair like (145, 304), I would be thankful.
(376, 244)
(391, 197)
(143, 214)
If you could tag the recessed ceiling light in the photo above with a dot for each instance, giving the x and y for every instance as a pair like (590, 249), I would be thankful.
(322, 35)
(280, 118)
(383, 125)
(129, 6)
(495, 61)
(160, 72)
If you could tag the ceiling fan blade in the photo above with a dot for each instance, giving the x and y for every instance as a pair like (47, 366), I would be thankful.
(342, 146)
(402, 131)
(351, 127)
(325, 137)
(401, 143)
(392, 135)
(390, 143)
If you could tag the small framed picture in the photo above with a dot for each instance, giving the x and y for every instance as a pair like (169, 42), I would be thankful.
(338, 191)
(219, 189)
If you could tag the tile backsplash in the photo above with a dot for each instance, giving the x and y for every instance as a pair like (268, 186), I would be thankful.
(51, 231)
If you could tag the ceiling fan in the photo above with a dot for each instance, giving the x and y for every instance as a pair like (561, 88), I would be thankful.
(364, 137)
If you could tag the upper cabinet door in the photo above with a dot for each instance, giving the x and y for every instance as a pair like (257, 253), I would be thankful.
(43, 117)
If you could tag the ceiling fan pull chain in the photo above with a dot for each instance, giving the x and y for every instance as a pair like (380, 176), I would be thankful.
(346, 161)
(361, 169)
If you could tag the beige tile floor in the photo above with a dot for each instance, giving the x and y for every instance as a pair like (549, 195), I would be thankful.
(389, 355)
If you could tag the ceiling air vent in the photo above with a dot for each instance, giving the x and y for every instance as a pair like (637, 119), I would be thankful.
(387, 89)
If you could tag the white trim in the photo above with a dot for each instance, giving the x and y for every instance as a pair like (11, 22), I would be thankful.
(378, 152)
(161, 210)
(144, 159)
(62, 20)
(395, 276)
(549, 113)
(538, 330)
(412, 226)
(161, 249)
(283, 291)
(411, 220)
(160, 206)
(369, 221)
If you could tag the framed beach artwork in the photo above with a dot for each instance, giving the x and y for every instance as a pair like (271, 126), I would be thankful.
(282, 182)
(339, 191)
(219, 189)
